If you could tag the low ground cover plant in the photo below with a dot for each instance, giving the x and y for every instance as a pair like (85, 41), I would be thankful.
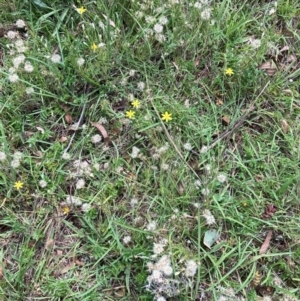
(149, 150)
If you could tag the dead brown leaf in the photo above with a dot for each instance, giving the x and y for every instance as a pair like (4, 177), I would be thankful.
(62, 139)
(269, 67)
(180, 188)
(49, 243)
(28, 134)
(111, 22)
(67, 268)
(284, 48)
(258, 178)
(68, 118)
(264, 247)
(78, 262)
(219, 101)
(284, 126)
(225, 120)
(291, 58)
(269, 211)
(288, 91)
(177, 68)
(64, 107)
(102, 130)
(59, 252)
(40, 129)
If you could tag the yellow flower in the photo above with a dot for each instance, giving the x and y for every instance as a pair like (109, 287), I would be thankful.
(81, 10)
(94, 47)
(18, 185)
(130, 114)
(166, 116)
(229, 71)
(136, 103)
(65, 210)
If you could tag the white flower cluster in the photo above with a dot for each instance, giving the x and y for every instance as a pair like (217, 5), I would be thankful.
(210, 219)
(42, 183)
(135, 152)
(203, 5)
(96, 139)
(160, 282)
(75, 201)
(2, 156)
(17, 47)
(159, 247)
(126, 239)
(55, 58)
(190, 268)
(82, 168)
(157, 152)
(17, 156)
(155, 25)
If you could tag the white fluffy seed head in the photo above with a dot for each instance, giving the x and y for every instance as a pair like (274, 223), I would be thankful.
(66, 156)
(80, 61)
(158, 248)
(96, 138)
(80, 184)
(206, 13)
(12, 34)
(135, 152)
(20, 23)
(210, 219)
(2, 156)
(126, 239)
(191, 268)
(13, 78)
(15, 163)
(221, 178)
(29, 90)
(42, 183)
(86, 207)
(18, 60)
(55, 58)
(28, 67)
(158, 28)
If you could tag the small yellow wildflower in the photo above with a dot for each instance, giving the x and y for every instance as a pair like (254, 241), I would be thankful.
(65, 210)
(18, 185)
(130, 114)
(245, 204)
(166, 116)
(81, 10)
(94, 47)
(229, 71)
(136, 103)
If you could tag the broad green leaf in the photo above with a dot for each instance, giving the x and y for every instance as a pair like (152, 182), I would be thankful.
(210, 237)
(40, 4)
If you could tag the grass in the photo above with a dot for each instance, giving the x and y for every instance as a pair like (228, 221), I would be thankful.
(125, 218)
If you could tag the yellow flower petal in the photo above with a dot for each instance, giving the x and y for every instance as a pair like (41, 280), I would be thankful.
(81, 10)
(166, 116)
(136, 103)
(94, 47)
(130, 114)
(18, 185)
(229, 71)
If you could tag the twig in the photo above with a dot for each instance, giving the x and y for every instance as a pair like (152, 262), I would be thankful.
(75, 130)
(239, 122)
(79, 121)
